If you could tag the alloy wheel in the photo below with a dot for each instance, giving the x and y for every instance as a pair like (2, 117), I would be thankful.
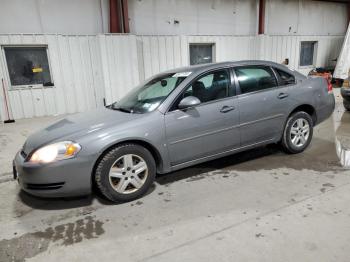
(128, 173)
(300, 132)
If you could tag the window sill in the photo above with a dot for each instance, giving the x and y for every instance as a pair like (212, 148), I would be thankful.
(29, 87)
(307, 67)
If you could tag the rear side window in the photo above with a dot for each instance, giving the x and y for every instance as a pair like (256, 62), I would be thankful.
(285, 78)
(255, 78)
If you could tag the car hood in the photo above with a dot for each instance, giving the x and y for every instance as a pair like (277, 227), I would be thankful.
(78, 125)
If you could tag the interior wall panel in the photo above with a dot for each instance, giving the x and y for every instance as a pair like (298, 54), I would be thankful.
(75, 69)
(119, 58)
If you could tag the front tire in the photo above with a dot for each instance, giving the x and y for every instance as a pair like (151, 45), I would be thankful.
(297, 133)
(125, 173)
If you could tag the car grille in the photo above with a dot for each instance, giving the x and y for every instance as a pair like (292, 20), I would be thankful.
(51, 186)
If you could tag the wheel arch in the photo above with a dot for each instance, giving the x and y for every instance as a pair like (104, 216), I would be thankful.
(153, 150)
(306, 108)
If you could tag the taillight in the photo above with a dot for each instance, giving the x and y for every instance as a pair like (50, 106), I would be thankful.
(329, 86)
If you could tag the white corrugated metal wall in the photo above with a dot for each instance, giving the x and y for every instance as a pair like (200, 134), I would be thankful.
(277, 48)
(86, 69)
(165, 52)
(120, 66)
(74, 63)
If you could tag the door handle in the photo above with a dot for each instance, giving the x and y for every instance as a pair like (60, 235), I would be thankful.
(226, 109)
(282, 95)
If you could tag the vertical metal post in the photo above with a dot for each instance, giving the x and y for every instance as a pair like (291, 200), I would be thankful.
(261, 27)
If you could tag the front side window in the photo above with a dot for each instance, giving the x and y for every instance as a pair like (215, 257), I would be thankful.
(150, 95)
(285, 78)
(255, 78)
(307, 53)
(212, 86)
(28, 66)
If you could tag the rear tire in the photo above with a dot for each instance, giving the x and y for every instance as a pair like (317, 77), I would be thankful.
(125, 173)
(297, 133)
(346, 104)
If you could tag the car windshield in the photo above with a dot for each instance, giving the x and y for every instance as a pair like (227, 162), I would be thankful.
(149, 96)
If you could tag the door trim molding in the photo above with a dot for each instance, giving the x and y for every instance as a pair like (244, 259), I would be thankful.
(225, 129)
(204, 134)
(261, 119)
(217, 155)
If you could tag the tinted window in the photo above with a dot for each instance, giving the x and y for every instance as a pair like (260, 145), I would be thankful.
(211, 86)
(28, 65)
(307, 51)
(253, 78)
(201, 53)
(285, 78)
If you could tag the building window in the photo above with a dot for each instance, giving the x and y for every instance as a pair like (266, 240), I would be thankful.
(28, 66)
(307, 53)
(201, 54)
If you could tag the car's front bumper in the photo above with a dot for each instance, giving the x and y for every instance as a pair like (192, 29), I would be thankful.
(71, 177)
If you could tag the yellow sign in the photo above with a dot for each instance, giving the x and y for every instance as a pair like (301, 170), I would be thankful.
(37, 70)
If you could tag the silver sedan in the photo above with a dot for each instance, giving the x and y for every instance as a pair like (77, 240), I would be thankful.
(176, 119)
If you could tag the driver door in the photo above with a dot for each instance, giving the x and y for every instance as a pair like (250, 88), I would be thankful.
(209, 128)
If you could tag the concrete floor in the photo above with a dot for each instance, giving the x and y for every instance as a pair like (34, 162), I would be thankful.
(260, 205)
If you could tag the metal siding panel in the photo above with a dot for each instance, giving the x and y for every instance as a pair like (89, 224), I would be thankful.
(15, 104)
(98, 82)
(117, 69)
(105, 67)
(76, 74)
(169, 49)
(184, 51)
(67, 71)
(127, 76)
(155, 55)
(87, 73)
(49, 96)
(26, 100)
(60, 100)
(38, 102)
(162, 54)
(134, 62)
(177, 51)
(147, 56)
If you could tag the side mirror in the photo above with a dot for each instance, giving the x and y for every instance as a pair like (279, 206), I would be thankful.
(189, 101)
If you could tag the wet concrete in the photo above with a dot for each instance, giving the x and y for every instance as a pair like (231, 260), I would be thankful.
(30, 244)
(259, 205)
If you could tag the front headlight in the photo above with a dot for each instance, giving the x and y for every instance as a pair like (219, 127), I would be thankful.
(56, 151)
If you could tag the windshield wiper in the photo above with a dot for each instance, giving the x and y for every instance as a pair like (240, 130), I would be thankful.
(122, 109)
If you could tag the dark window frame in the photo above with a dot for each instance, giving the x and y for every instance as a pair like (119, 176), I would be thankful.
(314, 53)
(213, 51)
(238, 87)
(27, 86)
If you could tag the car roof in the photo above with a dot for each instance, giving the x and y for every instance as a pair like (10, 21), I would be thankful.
(204, 67)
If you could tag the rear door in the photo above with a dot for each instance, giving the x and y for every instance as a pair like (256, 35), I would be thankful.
(263, 104)
(209, 128)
